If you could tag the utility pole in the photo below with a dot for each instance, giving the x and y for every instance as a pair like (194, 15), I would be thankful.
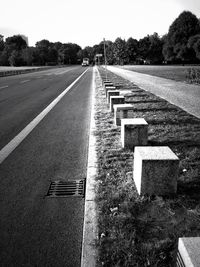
(105, 56)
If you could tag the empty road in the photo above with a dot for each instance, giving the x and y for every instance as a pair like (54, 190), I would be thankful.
(36, 230)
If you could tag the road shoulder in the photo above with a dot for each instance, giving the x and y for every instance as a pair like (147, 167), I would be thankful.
(89, 251)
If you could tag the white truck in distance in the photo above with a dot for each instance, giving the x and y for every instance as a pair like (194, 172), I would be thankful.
(85, 62)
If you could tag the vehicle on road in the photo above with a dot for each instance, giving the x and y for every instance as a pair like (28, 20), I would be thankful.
(85, 62)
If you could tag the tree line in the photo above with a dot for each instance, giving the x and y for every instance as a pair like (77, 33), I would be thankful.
(180, 45)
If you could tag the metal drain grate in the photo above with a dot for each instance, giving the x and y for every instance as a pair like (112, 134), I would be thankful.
(72, 188)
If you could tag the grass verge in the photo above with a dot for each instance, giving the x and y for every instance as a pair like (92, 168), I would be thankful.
(189, 74)
(143, 231)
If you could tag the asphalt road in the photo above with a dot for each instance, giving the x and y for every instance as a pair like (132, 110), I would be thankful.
(185, 96)
(35, 230)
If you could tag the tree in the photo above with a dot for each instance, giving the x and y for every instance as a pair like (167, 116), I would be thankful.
(42, 49)
(194, 43)
(27, 55)
(132, 50)
(4, 56)
(109, 52)
(119, 51)
(155, 55)
(143, 48)
(15, 58)
(1, 43)
(175, 47)
(88, 52)
(16, 42)
(68, 53)
(197, 48)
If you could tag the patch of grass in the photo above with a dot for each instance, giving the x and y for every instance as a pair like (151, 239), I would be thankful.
(143, 231)
(193, 75)
(177, 73)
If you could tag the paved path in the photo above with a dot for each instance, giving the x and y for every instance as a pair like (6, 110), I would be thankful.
(183, 95)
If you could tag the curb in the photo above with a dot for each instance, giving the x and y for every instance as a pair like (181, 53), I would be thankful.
(17, 72)
(24, 71)
(89, 251)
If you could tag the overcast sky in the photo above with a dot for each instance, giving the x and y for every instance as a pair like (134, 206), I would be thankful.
(87, 22)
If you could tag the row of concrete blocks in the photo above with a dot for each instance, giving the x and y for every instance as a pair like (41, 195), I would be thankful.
(155, 168)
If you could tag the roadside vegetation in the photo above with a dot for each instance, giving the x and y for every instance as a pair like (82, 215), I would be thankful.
(193, 75)
(179, 73)
(144, 231)
(180, 45)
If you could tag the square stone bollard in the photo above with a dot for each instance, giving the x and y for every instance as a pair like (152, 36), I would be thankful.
(104, 81)
(188, 252)
(116, 100)
(112, 93)
(121, 112)
(108, 84)
(134, 132)
(106, 88)
(119, 85)
(155, 170)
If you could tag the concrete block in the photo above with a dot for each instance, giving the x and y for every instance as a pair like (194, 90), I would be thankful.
(106, 88)
(121, 112)
(155, 170)
(134, 132)
(188, 252)
(119, 85)
(116, 100)
(112, 93)
(108, 84)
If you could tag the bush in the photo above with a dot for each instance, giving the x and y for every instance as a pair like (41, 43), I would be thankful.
(193, 75)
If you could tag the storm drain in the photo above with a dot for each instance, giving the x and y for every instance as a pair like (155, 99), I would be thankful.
(72, 188)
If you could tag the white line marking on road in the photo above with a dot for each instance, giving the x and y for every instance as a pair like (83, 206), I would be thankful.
(2, 87)
(7, 149)
(25, 81)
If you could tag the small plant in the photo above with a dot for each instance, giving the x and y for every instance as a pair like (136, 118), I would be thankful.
(193, 75)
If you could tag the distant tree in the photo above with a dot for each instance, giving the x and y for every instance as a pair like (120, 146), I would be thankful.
(194, 43)
(132, 50)
(175, 47)
(27, 55)
(119, 51)
(4, 56)
(197, 48)
(15, 42)
(99, 49)
(1, 42)
(88, 52)
(109, 52)
(68, 53)
(143, 48)
(150, 49)
(16, 59)
(42, 51)
(155, 55)
(52, 57)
